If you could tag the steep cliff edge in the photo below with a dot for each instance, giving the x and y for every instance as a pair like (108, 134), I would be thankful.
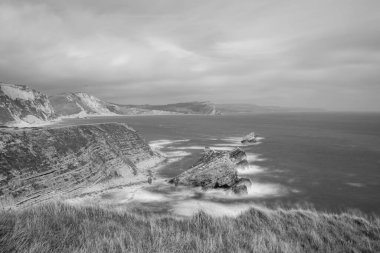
(81, 104)
(22, 106)
(38, 164)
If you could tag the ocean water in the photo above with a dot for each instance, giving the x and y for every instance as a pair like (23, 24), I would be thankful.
(330, 161)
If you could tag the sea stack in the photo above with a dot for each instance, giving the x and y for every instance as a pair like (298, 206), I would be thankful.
(249, 138)
(215, 169)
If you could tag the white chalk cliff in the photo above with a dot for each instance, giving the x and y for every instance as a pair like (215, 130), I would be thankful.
(21, 106)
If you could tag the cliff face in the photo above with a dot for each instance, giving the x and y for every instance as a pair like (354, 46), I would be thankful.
(20, 105)
(38, 164)
(81, 104)
(23, 107)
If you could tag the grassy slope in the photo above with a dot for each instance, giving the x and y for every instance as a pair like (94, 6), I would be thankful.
(57, 227)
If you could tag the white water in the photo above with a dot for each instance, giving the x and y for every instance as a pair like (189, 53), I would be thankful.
(187, 201)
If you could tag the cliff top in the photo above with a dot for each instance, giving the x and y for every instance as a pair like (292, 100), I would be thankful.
(17, 129)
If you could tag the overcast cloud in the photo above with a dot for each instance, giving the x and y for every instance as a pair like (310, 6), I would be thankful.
(319, 53)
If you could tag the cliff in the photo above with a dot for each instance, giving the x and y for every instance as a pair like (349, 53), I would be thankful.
(81, 104)
(36, 164)
(20, 105)
(24, 107)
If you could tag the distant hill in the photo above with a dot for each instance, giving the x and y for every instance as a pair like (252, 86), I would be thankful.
(82, 104)
(252, 108)
(183, 108)
(21, 106)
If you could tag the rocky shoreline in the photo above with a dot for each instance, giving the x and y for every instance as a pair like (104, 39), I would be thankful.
(39, 164)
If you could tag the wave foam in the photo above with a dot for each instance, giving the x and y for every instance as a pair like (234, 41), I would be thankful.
(260, 190)
(177, 154)
(219, 148)
(355, 184)
(159, 144)
(252, 169)
(251, 157)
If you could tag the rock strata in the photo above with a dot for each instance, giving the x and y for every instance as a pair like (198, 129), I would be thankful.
(215, 169)
(36, 164)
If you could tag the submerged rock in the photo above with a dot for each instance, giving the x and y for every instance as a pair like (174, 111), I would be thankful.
(243, 164)
(249, 138)
(241, 187)
(215, 169)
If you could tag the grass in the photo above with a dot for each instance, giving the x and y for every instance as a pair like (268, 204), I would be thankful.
(59, 227)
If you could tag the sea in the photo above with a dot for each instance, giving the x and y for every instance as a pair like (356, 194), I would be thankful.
(325, 161)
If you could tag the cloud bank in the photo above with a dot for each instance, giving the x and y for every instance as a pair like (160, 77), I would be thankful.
(287, 53)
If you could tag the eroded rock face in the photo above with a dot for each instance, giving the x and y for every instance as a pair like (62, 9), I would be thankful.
(19, 104)
(36, 164)
(241, 187)
(216, 169)
(249, 138)
(81, 104)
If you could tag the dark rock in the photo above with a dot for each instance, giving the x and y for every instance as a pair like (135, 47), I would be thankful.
(216, 169)
(241, 187)
(249, 138)
(243, 164)
(206, 150)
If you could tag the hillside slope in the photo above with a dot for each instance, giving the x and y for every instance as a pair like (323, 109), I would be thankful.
(252, 108)
(184, 108)
(38, 164)
(22, 106)
(81, 104)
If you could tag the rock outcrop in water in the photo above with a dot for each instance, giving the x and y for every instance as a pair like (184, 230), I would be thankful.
(216, 169)
(37, 164)
(249, 138)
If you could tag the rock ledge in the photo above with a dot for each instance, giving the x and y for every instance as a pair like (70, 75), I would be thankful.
(216, 169)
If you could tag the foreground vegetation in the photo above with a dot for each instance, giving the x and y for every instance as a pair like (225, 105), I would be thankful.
(58, 227)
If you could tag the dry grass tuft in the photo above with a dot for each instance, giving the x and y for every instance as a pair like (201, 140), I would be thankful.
(58, 227)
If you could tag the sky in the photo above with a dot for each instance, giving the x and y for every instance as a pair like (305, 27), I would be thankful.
(295, 53)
